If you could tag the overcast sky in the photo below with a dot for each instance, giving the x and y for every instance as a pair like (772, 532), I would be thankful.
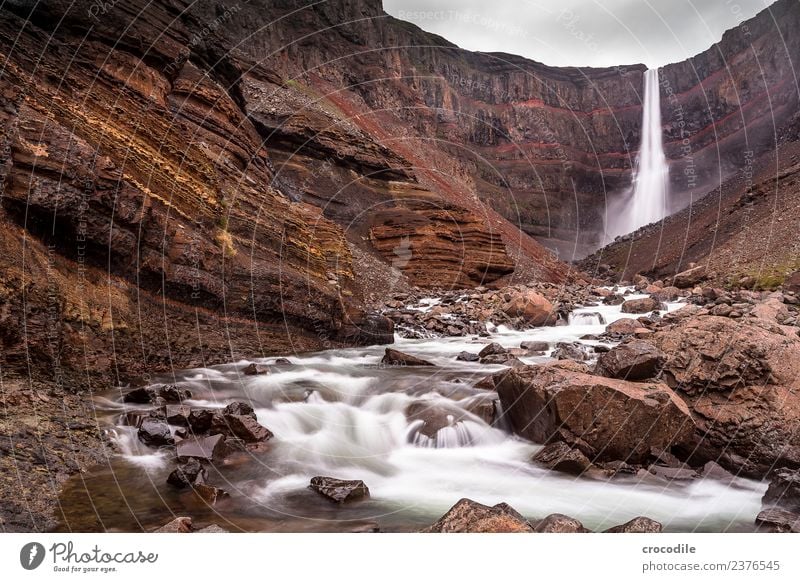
(581, 32)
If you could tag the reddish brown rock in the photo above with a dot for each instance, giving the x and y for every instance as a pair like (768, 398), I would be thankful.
(644, 305)
(619, 420)
(468, 516)
(559, 523)
(637, 525)
(339, 490)
(397, 358)
(531, 307)
(633, 360)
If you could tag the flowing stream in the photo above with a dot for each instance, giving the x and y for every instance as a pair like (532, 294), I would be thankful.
(340, 413)
(648, 201)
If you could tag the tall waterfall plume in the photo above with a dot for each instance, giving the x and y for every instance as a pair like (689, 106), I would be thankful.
(647, 201)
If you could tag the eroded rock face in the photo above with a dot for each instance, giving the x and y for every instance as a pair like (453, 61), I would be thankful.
(468, 516)
(740, 380)
(615, 419)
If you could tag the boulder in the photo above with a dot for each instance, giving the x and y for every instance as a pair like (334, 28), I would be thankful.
(142, 395)
(643, 305)
(213, 528)
(633, 360)
(338, 490)
(774, 520)
(623, 327)
(187, 474)
(435, 415)
(689, 278)
(559, 456)
(530, 306)
(666, 294)
(177, 525)
(740, 380)
(637, 525)
(173, 393)
(614, 299)
(200, 420)
(559, 523)
(397, 358)
(784, 490)
(502, 360)
(366, 329)
(206, 449)
(570, 351)
(492, 349)
(154, 432)
(467, 357)
(209, 493)
(245, 428)
(177, 414)
(240, 408)
(618, 420)
(535, 346)
(253, 369)
(468, 516)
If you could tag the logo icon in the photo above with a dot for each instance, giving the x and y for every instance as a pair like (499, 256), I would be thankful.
(31, 555)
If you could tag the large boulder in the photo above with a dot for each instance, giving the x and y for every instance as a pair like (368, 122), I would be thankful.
(339, 490)
(690, 277)
(643, 305)
(633, 360)
(154, 432)
(741, 381)
(239, 420)
(398, 358)
(468, 516)
(491, 350)
(611, 419)
(637, 525)
(784, 490)
(532, 307)
(561, 457)
(559, 523)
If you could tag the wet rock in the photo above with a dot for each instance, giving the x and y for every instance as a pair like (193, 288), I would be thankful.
(666, 294)
(199, 420)
(173, 393)
(240, 408)
(689, 278)
(142, 395)
(644, 305)
(177, 525)
(633, 360)
(283, 362)
(155, 432)
(559, 523)
(535, 346)
(397, 358)
(713, 470)
(467, 357)
(177, 414)
(486, 383)
(502, 360)
(637, 525)
(435, 415)
(616, 418)
(243, 426)
(531, 307)
(784, 490)
(569, 351)
(338, 490)
(209, 493)
(253, 369)
(561, 457)
(493, 349)
(187, 474)
(468, 516)
(615, 299)
(206, 449)
(775, 520)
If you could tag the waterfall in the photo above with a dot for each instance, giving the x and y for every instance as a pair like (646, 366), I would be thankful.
(648, 201)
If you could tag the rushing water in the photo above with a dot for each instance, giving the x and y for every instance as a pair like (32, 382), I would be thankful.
(647, 201)
(340, 413)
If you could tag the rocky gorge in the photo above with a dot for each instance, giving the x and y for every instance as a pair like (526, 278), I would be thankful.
(279, 266)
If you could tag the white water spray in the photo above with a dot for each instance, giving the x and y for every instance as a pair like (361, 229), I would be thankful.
(648, 202)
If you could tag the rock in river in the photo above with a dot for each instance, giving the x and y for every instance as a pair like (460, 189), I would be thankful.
(634, 360)
(154, 432)
(638, 525)
(616, 419)
(468, 516)
(187, 474)
(397, 358)
(338, 490)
